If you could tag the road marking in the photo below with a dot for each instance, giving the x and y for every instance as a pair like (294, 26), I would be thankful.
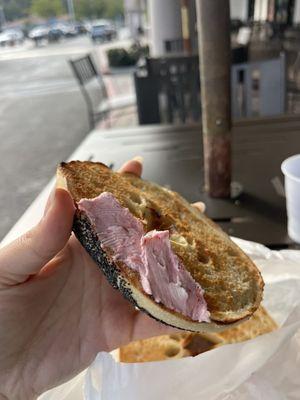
(40, 88)
(42, 53)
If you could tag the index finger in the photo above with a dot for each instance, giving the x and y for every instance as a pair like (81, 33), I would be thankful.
(200, 206)
(134, 166)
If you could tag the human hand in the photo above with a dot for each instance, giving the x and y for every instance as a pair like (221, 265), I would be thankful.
(57, 310)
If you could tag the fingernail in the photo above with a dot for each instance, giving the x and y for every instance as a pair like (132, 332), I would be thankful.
(200, 205)
(139, 159)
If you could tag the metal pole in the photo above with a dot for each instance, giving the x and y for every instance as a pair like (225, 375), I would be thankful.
(2, 18)
(71, 10)
(214, 51)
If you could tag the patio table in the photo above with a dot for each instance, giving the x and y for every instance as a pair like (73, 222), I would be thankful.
(173, 157)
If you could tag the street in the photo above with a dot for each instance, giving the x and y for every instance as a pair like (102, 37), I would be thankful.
(43, 119)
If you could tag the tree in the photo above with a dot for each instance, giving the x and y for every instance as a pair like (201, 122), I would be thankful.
(98, 8)
(46, 8)
(15, 8)
(88, 8)
(114, 8)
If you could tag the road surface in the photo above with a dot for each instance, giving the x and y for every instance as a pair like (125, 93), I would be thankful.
(42, 120)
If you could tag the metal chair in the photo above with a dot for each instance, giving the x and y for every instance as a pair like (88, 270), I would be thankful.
(85, 72)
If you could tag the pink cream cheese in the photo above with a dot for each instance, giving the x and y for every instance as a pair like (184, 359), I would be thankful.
(161, 272)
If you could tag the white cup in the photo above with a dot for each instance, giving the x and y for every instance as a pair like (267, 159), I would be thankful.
(291, 170)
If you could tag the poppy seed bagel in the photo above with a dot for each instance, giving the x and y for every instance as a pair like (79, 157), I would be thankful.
(231, 284)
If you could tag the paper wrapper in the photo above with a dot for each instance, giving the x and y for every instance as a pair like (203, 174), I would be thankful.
(266, 367)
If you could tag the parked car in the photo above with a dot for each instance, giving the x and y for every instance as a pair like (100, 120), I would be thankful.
(111, 32)
(11, 37)
(55, 34)
(68, 29)
(98, 33)
(39, 33)
(80, 28)
(71, 30)
(102, 31)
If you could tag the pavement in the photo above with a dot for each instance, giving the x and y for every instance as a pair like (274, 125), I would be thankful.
(43, 118)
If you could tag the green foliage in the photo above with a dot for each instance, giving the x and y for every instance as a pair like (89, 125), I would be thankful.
(15, 8)
(122, 57)
(88, 8)
(114, 8)
(46, 8)
(98, 8)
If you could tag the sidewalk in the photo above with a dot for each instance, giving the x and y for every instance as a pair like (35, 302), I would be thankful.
(119, 86)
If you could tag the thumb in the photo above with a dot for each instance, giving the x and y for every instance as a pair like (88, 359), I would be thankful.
(29, 253)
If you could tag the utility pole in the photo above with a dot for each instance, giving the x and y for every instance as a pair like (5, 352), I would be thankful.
(215, 61)
(2, 18)
(187, 46)
(71, 11)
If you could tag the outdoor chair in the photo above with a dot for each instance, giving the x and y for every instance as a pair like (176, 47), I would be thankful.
(86, 73)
